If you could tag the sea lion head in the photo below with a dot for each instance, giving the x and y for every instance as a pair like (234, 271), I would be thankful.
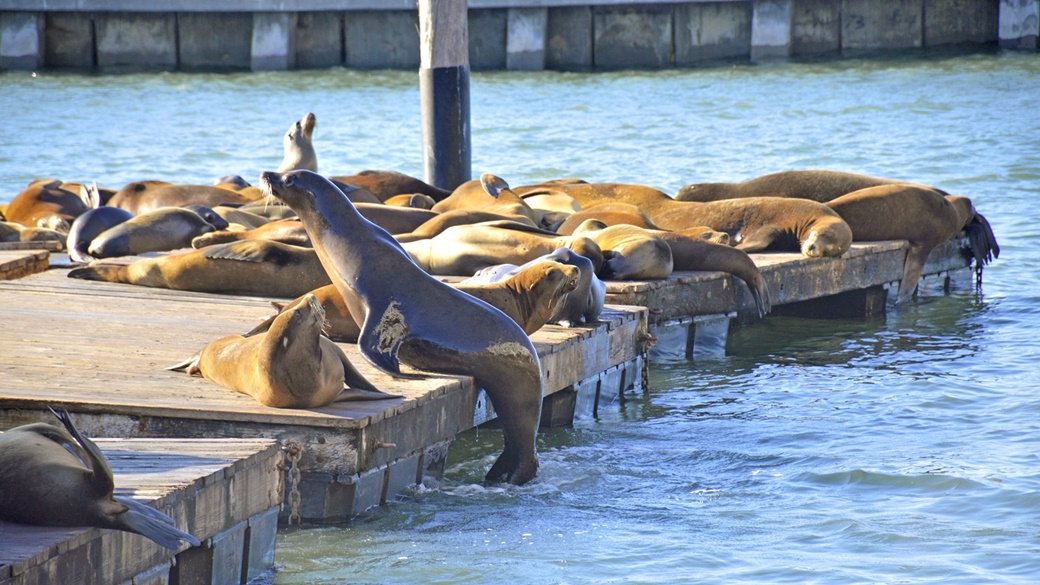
(629, 252)
(830, 236)
(209, 215)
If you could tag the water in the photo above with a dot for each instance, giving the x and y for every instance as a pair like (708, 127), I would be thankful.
(898, 451)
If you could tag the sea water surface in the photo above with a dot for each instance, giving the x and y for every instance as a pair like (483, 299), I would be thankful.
(901, 450)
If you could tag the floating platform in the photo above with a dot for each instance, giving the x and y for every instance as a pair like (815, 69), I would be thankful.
(226, 492)
(99, 350)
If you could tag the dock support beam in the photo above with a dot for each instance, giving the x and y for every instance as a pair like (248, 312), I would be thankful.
(21, 40)
(444, 91)
(525, 38)
(1019, 24)
(771, 29)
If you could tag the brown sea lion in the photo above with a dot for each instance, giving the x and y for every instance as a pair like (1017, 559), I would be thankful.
(245, 219)
(291, 365)
(298, 146)
(447, 219)
(287, 231)
(54, 476)
(489, 193)
(416, 200)
(754, 224)
(817, 185)
(629, 252)
(16, 232)
(462, 250)
(387, 184)
(528, 297)
(396, 220)
(161, 230)
(143, 196)
(44, 205)
(923, 216)
(408, 316)
(249, 267)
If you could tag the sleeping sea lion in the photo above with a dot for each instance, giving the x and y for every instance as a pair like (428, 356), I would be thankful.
(143, 196)
(287, 231)
(89, 226)
(629, 252)
(54, 476)
(387, 184)
(408, 316)
(164, 229)
(818, 185)
(489, 193)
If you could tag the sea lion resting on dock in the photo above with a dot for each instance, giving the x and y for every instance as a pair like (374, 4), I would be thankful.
(489, 193)
(53, 476)
(44, 203)
(90, 225)
(408, 316)
(143, 196)
(529, 298)
(160, 230)
(387, 184)
(817, 185)
(291, 365)
(249, 267)
(923, 216)
(287, 231)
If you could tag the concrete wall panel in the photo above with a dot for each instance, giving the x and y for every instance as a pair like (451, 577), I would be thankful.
(21, 40)
(950, 22)
(632, 37)
(720, 30)
(816, 27)
(319, 40)
(382, 40)
(69, 40)
(525, 38)
(568, 45)
(870, 25)
(214, 41)
(487, 39)
(135, 41)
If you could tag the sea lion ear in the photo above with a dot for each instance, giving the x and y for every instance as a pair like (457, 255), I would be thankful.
(493, 184)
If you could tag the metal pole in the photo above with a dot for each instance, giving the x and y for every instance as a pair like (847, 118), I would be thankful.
(444, 92)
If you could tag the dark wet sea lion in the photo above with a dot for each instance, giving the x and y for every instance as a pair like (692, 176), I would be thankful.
(408, 316)
(54, 476)
(291, 365)
(817, 185)
(387, 184)
(249, 267)
(89, 226)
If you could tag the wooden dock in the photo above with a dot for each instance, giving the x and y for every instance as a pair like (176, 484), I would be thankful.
(226, 492)
(99, 350)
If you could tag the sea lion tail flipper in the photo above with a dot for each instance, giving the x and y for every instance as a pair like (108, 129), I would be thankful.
(101, 473)
(760, 292)
(102, 272)
(983, 242)
(357, 394)
(189, 366)
(357, 387)
(152, 524)
(912, 269)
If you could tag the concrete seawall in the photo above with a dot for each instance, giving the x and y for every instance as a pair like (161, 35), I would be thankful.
(568, 35)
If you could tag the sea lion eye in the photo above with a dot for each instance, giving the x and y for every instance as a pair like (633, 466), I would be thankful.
(290, 180)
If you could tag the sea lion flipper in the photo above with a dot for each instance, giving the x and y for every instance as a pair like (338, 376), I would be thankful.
(153, 524)
(189, 366)
(101, 479)
(354, 394)
(357, 386)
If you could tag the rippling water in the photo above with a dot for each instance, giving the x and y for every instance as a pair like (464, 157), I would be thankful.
(900, 450)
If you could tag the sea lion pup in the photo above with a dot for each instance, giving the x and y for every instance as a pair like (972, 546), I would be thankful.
(691, 252)
(287, 231)
(299, 150)
(443, 221)
(292, 365)
(46, 205)
(582, 305)
(528, 297)
(161, 230)
(818, 185)
(387, 184)
(249, 267)
(89, 226)
(462, 250)
(923, 216)
(489, 193)
(754, 224)
(144, 196)
(629, 252)
(408, 316)
(53, 476)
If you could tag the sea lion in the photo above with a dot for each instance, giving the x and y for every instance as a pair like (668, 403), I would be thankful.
(462, 250)
(292, 365)
(163, 229)
(582, 305)
(45, 205)
(396, 220)
(249, 267)
(754, 224)
(287, 231)
(416, 200)
(387, 184)
(54, 476)
(608, 214)
(923, 216)
(16, 232)
(90, 225)
(818, 185)
(232, 215)
(299, 150)
(357, 194)
(528, 297)
(442, 221)
(629, 252)
(408, 316)
(143, 196)
(489, 193)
